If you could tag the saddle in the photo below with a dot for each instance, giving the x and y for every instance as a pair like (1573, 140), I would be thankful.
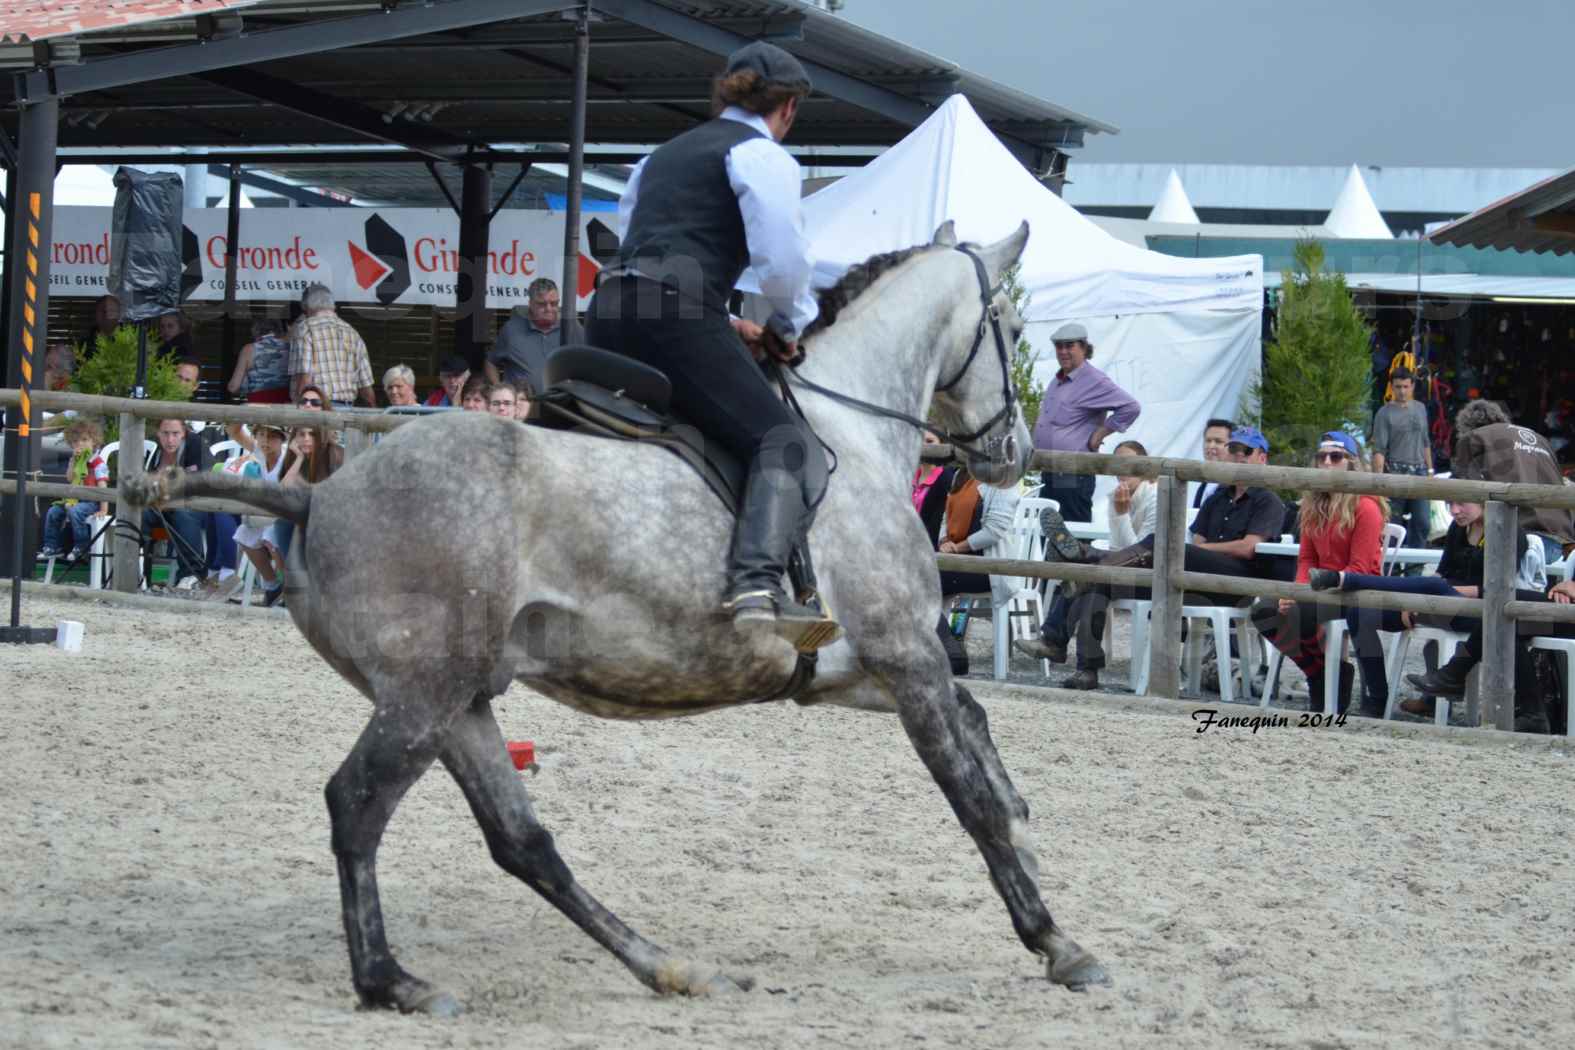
(606, 394)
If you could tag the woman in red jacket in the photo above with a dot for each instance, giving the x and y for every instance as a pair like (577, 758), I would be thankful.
(1342, 531)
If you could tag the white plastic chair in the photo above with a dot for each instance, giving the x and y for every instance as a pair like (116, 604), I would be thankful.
(1025, 543)
(1220, 617)
(1335, 636)
(223, 450)
(1448, 642)
(1567, 647)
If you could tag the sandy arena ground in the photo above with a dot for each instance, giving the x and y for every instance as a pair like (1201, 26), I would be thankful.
(167, 880)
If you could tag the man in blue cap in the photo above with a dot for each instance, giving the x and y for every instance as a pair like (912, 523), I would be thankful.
(720, 197)
(1225, 538)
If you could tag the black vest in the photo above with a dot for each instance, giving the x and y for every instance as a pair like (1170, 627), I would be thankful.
(687, 230)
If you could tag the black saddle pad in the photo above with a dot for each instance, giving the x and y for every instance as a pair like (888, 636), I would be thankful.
(600, 392)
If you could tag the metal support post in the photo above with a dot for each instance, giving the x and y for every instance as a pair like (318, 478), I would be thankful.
(472, 320)
(128, 515)
(31, 205)
(570, 291)
(232, 248)
(1170, 541)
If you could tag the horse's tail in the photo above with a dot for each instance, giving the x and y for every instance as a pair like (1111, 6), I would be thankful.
(293, 503)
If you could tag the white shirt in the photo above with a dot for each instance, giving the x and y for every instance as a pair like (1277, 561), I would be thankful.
(767, 181)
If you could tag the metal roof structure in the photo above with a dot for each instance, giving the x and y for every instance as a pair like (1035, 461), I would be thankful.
(1538, 219)
(452, 77)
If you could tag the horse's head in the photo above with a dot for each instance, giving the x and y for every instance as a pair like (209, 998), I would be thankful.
(974, 399)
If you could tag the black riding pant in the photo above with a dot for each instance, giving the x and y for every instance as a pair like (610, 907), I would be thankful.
(718, 388)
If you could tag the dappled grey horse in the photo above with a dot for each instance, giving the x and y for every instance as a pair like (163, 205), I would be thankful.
(465, 552)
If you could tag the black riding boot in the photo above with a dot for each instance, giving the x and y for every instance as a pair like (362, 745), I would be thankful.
(1343, 694)
(772, 519)
(1375, 687)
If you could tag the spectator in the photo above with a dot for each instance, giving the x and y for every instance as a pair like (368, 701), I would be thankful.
(399, 383)
(87, 468)
(1490, 448)
(1081, 407)
(262, 371)
(522, 404)
(1460, 575)
(188, 373)
(977, 521)
(1216, 435)
(175, 335)
(527, 338)
(931, 485)
(60, 363)
(1339, 531)
(502, 399)
(1225, 537)
(178, 447)
(452, 373)
(311, 456)
(328, 353)
(106, 318)
(1133, 503)
(1401, 445)
(253, 535)
(473, 398)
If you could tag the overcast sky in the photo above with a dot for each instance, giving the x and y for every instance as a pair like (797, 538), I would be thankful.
(1470, 83)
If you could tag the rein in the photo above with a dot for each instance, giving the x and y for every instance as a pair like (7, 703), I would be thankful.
(989, 320)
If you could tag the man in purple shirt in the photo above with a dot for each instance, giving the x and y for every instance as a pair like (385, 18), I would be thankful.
(1082, 406)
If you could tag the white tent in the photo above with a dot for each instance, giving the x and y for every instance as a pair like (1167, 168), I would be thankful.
(1182, 335)
(1173, 205)
(1354, 214)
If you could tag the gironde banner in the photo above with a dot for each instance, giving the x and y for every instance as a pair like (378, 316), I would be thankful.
(406, 256)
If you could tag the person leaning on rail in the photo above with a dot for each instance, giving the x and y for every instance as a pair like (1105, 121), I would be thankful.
(1461, 571)
(1339, 531)
(1224, 542)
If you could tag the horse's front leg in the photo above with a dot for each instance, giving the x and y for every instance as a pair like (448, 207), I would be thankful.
(952, 738)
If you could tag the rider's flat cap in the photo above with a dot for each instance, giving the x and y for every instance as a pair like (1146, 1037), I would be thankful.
(1070, 333)
(775, 65)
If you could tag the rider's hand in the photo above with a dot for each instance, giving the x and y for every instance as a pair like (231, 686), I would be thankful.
(1287, 606)
(1562, 593)
(748, 331)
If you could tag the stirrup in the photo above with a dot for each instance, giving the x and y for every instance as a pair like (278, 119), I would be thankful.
(805, 628)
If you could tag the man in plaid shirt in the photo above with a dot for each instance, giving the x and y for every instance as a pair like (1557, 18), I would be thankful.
(326, 351)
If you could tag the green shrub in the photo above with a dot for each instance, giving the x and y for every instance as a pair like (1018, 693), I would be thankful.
(1317, 371)
(112, 372)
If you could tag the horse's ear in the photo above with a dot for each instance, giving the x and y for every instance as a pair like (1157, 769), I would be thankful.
(946, 235)
(1003, 253)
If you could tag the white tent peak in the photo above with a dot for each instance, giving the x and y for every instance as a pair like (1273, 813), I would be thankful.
(1173, 205)
(1354, 214)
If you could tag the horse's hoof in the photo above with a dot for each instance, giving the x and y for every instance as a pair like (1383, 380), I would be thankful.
(1068, 964)
(722, 984)
(435, 1003)
(678, 977)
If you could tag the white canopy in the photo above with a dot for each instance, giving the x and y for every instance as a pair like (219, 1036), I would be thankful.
(1173, 205)
(1181, 335)
(1354, 214)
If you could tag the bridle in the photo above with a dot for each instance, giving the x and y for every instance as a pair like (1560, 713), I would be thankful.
(999, 449)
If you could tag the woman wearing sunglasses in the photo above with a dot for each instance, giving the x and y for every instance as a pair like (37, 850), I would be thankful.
(1460, 575)
(1340, 532)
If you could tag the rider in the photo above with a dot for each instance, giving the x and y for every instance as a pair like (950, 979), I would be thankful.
(718, 198)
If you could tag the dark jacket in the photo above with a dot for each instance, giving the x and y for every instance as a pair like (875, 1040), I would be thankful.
(1463, 563)
(1505, 452)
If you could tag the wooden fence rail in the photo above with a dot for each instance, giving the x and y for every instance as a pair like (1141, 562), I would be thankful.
(1168, 579)
(1496, 608)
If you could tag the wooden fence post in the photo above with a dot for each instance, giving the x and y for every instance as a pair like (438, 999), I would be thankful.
(1496, 680)
(128, 571)
(1170, 541)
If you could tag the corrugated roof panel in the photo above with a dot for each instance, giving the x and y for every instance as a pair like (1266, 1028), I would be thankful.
(28, 20)
(1540, 218)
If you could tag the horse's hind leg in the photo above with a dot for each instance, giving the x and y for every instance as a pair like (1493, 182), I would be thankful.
(475, 755)
(953, 740)
(397, 746)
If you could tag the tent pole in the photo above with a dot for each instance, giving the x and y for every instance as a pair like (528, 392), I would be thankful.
(570, 292)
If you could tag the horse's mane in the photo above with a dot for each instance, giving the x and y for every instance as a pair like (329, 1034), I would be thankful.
(855, 283)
